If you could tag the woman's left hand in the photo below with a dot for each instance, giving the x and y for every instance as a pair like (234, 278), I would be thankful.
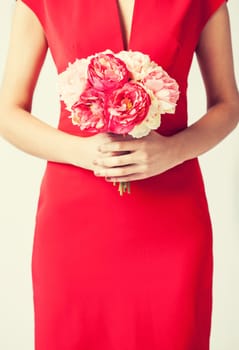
(130, 159)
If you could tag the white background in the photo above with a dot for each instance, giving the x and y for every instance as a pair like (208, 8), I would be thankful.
(20, 176)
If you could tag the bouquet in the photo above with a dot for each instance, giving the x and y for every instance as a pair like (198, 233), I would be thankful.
(122, 93)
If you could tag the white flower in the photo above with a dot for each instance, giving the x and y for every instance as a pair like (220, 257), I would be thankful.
(140, 130)
(72, 82)
(137, 63)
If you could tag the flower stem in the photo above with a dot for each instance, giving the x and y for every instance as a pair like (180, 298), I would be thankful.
(124, 187)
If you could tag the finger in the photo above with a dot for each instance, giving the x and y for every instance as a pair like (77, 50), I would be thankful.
(106, 154)
(128, 178)
(116, 161)
(117, 172)
(119, 146)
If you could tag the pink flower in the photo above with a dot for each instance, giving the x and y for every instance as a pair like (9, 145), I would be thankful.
(164, 88)
(88, 112)
(107, 72)
(127, 107)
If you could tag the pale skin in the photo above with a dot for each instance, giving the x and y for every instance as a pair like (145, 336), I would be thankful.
(114, 157)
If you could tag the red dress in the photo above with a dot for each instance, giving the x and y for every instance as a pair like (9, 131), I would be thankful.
(131, 272)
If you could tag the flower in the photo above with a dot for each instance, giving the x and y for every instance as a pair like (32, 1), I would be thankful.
(88, 112)
(73, 81)
(107, 72)
(165, 89)
(126, 107)
(138, 64)
(122, 93)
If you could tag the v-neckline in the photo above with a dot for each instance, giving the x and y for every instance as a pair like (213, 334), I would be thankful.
(125, 42)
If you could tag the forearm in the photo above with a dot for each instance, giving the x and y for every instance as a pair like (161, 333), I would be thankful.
(207, 132)
(35, 137)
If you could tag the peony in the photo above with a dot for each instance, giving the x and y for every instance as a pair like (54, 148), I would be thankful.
(88, 112)
(165, 89)
(126, 107)
(107, 72)
(137, 63)
(73, 81)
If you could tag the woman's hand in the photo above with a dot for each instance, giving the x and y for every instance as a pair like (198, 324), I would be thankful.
(87, 149)
(129, 159)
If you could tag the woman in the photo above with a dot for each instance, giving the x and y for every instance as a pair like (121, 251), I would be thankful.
(109, 272)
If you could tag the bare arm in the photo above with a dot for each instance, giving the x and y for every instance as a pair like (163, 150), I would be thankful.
(214, 53)
(27, 51)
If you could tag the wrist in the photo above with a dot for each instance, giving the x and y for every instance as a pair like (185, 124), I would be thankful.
(72, 151)
(176, 145)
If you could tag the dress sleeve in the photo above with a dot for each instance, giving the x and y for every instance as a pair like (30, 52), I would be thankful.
(208, 8)
(37, 7)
